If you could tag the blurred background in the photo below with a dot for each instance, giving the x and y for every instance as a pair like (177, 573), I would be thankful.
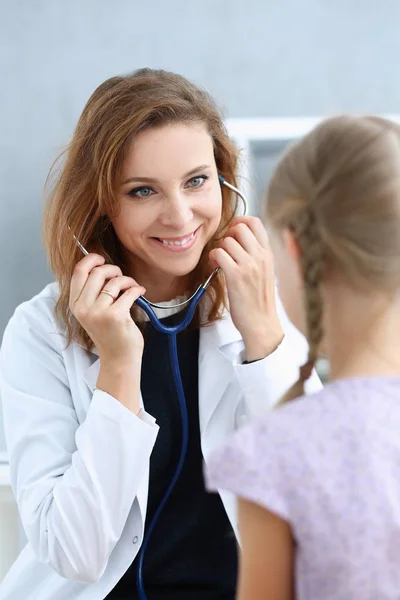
(273, 59)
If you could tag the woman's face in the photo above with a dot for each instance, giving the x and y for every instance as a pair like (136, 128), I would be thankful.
(170, 202)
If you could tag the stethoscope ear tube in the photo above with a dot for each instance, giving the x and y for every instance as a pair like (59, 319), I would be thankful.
(238, 192)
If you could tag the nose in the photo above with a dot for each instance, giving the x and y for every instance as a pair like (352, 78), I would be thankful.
(177, 211)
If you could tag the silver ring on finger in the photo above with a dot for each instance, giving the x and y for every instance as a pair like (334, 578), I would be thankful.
(109, 294)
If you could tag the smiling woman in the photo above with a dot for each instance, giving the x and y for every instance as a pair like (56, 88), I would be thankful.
(100, 438)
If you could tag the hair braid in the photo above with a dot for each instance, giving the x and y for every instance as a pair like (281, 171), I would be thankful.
(312, 263)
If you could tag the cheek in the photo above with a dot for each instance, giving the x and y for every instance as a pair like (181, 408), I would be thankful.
(290, 285)
(210, 208)
(210, 202)
(291, 295)
(122, 229)
(285, 288)
(130, 223)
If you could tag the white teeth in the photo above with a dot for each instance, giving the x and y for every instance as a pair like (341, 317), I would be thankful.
(180, 243)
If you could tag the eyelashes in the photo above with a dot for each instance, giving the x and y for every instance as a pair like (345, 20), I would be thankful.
(145, 191)
(141, 192)
(202, 178)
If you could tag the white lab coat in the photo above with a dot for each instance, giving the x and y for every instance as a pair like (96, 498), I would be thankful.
(79, 460)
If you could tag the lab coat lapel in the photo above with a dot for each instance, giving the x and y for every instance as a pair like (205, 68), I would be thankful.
(220, 343)
(91, 375)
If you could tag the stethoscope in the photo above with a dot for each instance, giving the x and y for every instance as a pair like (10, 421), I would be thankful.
(172, 331)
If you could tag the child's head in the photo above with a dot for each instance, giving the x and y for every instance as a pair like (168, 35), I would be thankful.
(333, 210)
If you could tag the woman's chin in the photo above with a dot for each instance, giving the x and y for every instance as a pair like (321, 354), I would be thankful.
(179, 267)
(179, 270)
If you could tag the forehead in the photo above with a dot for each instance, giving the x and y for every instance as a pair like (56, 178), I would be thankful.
(169, 151)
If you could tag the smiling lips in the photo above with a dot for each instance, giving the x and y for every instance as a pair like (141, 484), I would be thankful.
(178, 244)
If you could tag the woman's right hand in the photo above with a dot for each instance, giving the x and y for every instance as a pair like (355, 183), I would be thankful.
(108, 322)
(110, 326)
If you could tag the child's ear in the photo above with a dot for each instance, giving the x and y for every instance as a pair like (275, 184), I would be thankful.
(293, 249)
(291, 244)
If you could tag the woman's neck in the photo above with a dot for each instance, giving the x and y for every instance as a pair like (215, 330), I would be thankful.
(162, 291)
(160, 286)
(362, 333)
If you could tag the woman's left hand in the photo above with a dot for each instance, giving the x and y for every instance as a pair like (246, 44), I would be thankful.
(246, 259)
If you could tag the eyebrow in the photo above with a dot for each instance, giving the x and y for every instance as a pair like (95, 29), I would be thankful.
(153, 180)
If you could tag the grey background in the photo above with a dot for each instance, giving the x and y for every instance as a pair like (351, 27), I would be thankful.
(258, 57)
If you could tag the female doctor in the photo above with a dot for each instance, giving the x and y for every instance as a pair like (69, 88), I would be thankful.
(91, 418)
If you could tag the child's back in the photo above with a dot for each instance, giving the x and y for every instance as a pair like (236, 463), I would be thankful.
(326, 469)
(330, 466)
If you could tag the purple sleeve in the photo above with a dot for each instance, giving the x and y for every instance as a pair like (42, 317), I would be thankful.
(251, 465)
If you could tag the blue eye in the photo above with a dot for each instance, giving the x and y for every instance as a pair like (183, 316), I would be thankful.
(197, 181)
(141, 192)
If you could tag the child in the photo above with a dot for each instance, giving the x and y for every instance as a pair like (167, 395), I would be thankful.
(318, 479)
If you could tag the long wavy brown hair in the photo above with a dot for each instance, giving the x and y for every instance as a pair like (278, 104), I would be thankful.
(83, 182)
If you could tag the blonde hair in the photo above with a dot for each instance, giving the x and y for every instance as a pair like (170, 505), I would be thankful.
(338, 191)
(83, 189)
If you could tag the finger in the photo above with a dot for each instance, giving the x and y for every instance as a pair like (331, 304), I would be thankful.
(256, 226)
(246, 238)
(95, 283)
(234, 249)
(80, 275)
(114, 287)
(128, 298)
(222, 259)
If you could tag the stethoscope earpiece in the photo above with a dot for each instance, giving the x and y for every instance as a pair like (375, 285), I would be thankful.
(238, 192)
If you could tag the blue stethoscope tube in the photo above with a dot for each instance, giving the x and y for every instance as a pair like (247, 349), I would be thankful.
(171, 332)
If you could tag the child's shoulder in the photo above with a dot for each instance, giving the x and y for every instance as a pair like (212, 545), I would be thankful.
(300, 414)
(317, 440)
(343, 413)
(260, 459)
(300, 424)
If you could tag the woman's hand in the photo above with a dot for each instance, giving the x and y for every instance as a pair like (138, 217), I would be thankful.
(246, 259)
(107, 319)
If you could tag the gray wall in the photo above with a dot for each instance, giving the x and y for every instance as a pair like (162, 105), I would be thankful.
(258, 57)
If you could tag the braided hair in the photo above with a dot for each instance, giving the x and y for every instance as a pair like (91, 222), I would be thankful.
(312, 265)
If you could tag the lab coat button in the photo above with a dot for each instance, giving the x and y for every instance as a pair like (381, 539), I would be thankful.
(135, 539)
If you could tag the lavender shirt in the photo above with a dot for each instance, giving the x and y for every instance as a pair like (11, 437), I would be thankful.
(329, 465)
